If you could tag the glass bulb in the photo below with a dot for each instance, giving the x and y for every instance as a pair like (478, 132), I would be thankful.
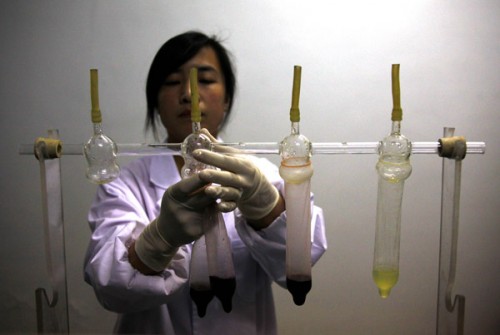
(100, 153)
(194, 141)
(394, 154)
(295, 151)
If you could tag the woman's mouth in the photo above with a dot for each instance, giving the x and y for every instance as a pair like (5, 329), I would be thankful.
(187, 114)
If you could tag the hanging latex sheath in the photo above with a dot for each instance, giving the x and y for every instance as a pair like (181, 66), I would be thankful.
(296, 170)
(212, 269)
(393, 168)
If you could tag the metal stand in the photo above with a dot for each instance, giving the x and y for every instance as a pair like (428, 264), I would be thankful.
(52, 315)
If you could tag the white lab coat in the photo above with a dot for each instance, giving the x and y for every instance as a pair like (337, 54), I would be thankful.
(161, 303)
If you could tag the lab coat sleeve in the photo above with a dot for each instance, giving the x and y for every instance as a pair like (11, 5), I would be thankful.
(268, 246)
(117, 216)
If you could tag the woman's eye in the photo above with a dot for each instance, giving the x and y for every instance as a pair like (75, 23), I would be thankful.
(206, 80)
(170, 82)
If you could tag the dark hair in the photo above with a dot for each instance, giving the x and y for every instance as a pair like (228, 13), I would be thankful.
(175, 52)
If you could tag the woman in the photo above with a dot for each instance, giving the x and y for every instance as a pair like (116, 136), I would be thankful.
(143, 224)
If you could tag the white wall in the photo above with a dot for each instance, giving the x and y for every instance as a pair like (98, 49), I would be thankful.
(449, 53)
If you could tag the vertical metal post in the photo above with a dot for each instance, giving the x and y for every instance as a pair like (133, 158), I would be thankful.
(52, 314)
(450, 317)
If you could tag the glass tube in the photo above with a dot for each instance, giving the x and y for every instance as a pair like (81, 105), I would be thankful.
(256, 148)
(338, 148)
(450, 307)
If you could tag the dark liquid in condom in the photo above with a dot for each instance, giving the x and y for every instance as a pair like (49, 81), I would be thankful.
(299, 289)
(223, 289)
(201, 298)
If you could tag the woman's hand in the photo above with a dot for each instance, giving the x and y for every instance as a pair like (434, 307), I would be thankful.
(180, 222)
(237, 175)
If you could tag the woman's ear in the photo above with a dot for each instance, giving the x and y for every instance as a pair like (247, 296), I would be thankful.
(226, 105)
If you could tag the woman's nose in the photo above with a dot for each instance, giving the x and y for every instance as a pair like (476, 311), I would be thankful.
(185, 96)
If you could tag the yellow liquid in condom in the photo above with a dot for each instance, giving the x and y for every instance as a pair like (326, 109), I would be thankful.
(385, 279)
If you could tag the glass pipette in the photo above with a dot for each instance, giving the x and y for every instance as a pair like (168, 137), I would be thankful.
(393, 168)
(218, 255)
(296, 169)
(100, 150)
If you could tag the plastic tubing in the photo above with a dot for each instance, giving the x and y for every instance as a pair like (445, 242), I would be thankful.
(96, 116)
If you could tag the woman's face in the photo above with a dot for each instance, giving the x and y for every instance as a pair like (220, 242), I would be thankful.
(174, 97)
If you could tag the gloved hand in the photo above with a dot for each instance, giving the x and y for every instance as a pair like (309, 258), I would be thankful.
(226, 196)
(240, 181)
(180, 222)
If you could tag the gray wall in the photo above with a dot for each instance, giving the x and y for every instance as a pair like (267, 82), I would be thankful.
(450, 59)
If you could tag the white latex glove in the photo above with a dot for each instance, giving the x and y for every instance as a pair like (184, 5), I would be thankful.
(226, 196)
(180, 222)
(237, 174)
